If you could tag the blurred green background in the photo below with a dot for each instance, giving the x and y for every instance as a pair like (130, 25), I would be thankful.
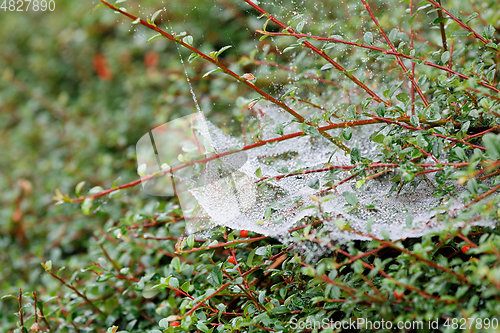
(77, 90)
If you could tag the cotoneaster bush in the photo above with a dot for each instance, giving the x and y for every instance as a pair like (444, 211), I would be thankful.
(427, 71)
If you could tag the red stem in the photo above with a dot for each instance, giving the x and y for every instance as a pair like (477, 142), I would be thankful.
(226, 70)
(389, 52)
(321, 53)
(459, 22)
(399, 61)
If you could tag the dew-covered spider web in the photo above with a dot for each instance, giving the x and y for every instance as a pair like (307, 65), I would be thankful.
(273, 206)
(250, 190)
(271, 188)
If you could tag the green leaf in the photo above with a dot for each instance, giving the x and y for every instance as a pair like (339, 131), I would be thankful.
(188, 40)
(465, 127)
(412, 18)
(381, 109)
(9, 296)
(212, 71)
(472, 186)
(280, 309)
(394, 87)
(331, 29)
(279, 129)
(96, 7)
(439, 20)
(328, 46)
(492, 145)
(393, 35)
(164, 323)
(415, 121)
(493, 45)
(250, 258)
(176, 263)
(173, 282)
(313, 183)
(291, 47)
(136, 21)
(190, 241)
(105, 277)
(262, 296)
(355, 155)
(311, 130)
(326, 66)
(216, 275)
(461, 291)
(488, 31)
(350, 198)
(290, 92)
(402, 97)
(347, 132)
(445, 57)
(461, 33)
(460, 153)
(153, 38)
(258, 172)
(300, 26)
(47, 265)
(112, 329)
(421, 80)
(293, 19)
(185, 286)
(192, 57)
(155, 15)
(79, 187)
(87, 205)
(222, 50)
(95, 190)
(471, 17)
(368, 38)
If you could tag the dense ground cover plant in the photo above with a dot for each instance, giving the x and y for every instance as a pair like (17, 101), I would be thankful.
(427, 71)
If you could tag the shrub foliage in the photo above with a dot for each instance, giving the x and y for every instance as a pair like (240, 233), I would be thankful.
(426, 72)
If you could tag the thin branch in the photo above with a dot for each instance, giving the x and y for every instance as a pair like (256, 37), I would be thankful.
(441, 27)
(226, 70)
(399, 61)
(388, 52)
(21, 312)
(375, 120)
(89, 302)
(412, 37)
(239, 241)
(294, 70)
(459, 22)
(321, 53)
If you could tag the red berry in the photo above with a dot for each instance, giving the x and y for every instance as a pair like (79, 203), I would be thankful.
(105, 73)
(232, 260)
(398, 295)
(466, 248)
(175, 324)
(99, 61)
(244, 233)
(151, 59)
